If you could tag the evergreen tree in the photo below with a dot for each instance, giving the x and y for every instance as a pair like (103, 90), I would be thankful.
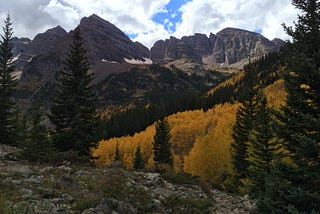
(263, 151)
(245, 120)
(37, 146)
(295, 185)
(7, 86)
(73, 111)
(138, 162)
(117, 154)
(162, 145)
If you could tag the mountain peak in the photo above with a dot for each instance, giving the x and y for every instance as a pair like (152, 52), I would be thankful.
(95, 16)
(95, 20)
(56, 30)
(107, 42)
(231, 30)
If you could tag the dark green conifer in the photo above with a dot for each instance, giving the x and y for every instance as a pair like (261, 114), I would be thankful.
(138, 161)
(73, 112)
(245, 120)
(264, 149)
(37, 146)
(7, 86)
(117, 154)
(162, 145)
(295, 184)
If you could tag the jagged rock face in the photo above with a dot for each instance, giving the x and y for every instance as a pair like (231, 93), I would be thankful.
(227, 47)
(45, 42)
(173, 48)
(42, 44)
(106, 41)
(158, 50)
(142, 50)
(20, 45)
(241, 44)
(200, 44)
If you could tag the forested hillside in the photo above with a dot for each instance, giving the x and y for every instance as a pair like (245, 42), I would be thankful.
(201, 139)
(256, 134)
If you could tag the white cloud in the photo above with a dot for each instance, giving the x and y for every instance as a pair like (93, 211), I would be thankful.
(60, 12)
(205, 16)
(135, 16)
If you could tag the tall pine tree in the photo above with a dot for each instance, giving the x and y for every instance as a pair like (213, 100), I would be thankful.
(162, 145)
(7, 86)
(245, 120)
(295, 185)
(264, 149)
(73, 111)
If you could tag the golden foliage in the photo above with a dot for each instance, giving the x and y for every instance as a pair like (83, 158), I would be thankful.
(127, 147)
(231, 81)
(201, 141)
(275, 94)
(185, 127)
(210, 157)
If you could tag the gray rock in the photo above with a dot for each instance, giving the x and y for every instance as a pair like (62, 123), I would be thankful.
(163, 192)
(64, 170)
(82, 173)
(67, 182)
(8, 153)
(122, 207)
(46, 169)
(152, 179)
(102, 208)
(26, 193)
(34, 179)
(21, 170)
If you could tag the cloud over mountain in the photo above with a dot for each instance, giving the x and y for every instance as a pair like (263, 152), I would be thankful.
(148, 21)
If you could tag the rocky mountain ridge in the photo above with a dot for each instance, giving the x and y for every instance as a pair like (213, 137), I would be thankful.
(106, 45)
(227, 47)
(110, 51)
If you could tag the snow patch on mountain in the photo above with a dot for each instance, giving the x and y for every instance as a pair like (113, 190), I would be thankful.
(107, 61)
(145, 61)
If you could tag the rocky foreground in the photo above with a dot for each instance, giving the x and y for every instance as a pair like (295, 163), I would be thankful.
(26, 188)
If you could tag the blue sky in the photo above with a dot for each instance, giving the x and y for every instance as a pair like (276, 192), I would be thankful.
(147, 21)
(171, 15)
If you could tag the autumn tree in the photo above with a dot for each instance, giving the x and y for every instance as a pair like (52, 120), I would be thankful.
(7, 86)
(138, 161)
(295, 185)
(245, 121)
(73, 111)
(162, 145)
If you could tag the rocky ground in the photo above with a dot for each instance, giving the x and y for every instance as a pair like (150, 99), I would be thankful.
(27, 188)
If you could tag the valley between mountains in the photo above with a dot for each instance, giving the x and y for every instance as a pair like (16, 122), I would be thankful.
(93, 122)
